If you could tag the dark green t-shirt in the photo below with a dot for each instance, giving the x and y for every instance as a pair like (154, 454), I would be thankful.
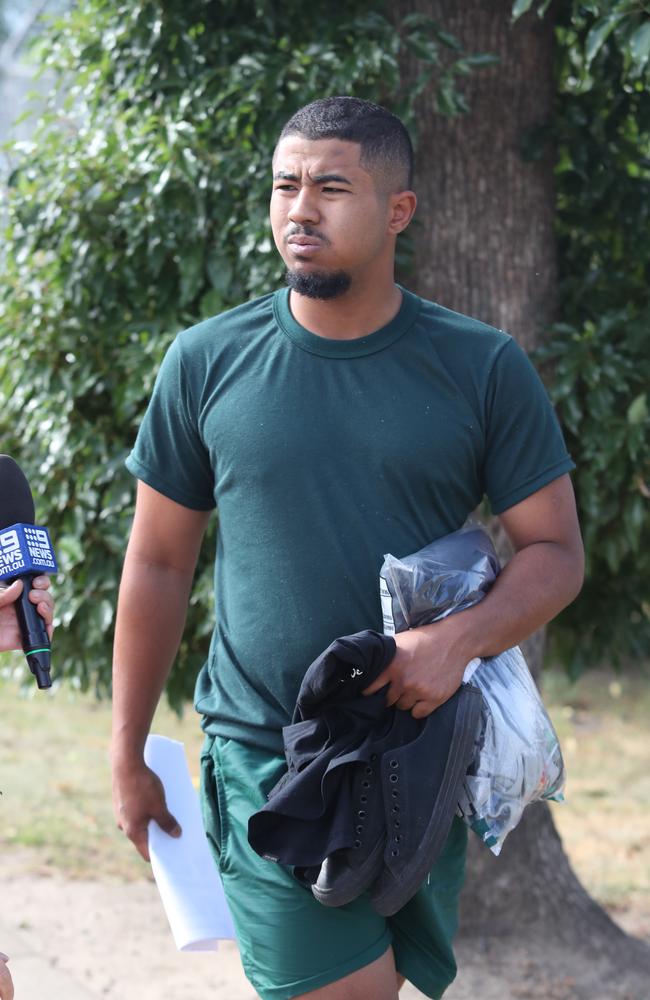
(321, 456)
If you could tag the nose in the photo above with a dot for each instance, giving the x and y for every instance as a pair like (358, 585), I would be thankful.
(304, 207)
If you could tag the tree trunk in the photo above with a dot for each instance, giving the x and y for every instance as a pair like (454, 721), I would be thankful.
(484, 245)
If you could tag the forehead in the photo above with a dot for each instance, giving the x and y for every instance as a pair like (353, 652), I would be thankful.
(314, 157)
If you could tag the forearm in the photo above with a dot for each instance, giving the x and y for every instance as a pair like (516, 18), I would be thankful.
(542, 578)
(538, 582)
(151, 615)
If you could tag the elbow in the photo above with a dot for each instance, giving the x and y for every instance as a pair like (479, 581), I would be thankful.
(574, 572)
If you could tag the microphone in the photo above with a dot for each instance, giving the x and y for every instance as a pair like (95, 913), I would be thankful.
(25, 551)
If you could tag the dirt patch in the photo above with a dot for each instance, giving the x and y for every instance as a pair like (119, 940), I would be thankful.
(81, 917)
(81, 939)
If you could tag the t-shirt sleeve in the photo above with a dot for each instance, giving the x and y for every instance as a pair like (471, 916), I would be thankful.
(169, 454)
(524, 447)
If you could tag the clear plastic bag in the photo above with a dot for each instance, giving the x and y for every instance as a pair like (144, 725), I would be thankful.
(448, 575)
(517, 758)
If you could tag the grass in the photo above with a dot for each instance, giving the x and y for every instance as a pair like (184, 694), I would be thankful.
(55, 807)
(603, 722)
(55, 781)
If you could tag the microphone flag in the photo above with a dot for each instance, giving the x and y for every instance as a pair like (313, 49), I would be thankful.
(25, 549)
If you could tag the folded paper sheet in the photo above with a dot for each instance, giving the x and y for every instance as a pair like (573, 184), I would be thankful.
(184, 870)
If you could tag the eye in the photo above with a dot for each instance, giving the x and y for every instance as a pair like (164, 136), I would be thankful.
(334, 190)
(285, 187)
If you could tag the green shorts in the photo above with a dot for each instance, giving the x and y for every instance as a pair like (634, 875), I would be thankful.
(290, 943)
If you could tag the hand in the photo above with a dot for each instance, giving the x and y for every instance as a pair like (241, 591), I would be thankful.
(40, 596)
(427, 668)
(139, 796)
(6, 982)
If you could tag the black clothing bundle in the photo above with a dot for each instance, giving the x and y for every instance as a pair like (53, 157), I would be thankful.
(370, 792)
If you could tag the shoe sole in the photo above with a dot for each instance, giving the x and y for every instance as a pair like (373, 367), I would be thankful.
(351, 882)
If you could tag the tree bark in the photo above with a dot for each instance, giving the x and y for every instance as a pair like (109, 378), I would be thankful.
(484, 242)
(484, 245)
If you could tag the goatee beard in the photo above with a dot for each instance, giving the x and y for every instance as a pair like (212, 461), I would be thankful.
(318, 284)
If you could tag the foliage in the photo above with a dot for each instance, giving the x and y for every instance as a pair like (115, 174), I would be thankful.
(625, 23)
(139, 209)
(598, 356)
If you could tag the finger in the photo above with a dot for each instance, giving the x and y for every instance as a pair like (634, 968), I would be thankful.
(378, 683)
(44, 606)
(41, 582)
(139, 837)
(141, 840)
(9, 594)
(406, 702)
(168, 823)
(423, 708)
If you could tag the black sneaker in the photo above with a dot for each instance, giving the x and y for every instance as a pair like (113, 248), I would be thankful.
(347, 873)
(420, 783)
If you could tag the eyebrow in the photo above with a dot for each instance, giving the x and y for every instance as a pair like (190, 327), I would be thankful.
(318, 179)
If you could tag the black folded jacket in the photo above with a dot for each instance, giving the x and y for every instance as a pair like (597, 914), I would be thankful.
(309, 814)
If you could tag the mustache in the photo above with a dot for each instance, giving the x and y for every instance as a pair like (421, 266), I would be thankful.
(306, 231)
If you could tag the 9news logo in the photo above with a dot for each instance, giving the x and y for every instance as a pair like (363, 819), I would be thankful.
(25, 548)
(11, 556)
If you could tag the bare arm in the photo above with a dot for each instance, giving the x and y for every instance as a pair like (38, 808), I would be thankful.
(544, 575)
(6, 983)
(154, 592)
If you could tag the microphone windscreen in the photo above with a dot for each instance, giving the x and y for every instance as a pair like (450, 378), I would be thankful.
(16, 501)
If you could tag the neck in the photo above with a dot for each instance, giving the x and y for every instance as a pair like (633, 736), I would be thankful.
(356, 313)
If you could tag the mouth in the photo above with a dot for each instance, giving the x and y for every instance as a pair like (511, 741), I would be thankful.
(304, 246)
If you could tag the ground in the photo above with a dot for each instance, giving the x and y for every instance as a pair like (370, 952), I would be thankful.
(81, 917)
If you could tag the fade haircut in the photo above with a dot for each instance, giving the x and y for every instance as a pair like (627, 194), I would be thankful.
(386, 148)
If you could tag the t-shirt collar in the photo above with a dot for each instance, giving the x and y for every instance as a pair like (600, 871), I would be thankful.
(328, 348)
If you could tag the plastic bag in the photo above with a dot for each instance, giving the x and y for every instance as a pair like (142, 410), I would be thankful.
(445, 576)
(517, 757)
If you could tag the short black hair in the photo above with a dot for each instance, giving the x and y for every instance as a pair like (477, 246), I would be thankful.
(386, 146)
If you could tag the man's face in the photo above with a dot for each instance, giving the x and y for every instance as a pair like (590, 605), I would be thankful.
(330, 223)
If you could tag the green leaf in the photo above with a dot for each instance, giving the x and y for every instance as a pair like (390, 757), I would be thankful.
(424, 48)
(480, 59)
(599, 34)
(637, 411)
(521, 7)
(640, 44)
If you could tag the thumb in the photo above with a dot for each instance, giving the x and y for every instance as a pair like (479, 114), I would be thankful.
(9, 594)
(168, 823)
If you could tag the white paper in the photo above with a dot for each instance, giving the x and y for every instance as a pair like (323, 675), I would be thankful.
(185, 871)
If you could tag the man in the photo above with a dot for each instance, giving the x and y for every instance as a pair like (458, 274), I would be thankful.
(330, 423)
(10, 640)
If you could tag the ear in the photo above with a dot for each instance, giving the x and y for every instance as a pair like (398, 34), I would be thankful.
(401, 211)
